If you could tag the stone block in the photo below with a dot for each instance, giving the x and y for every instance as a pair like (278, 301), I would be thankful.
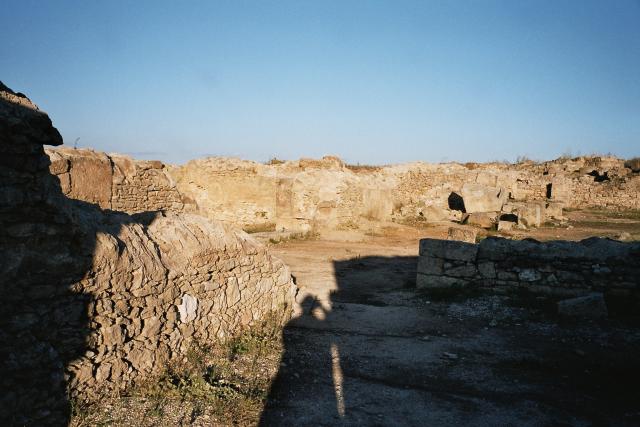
(530, 214)
(482, 198)
(487, 270)
(430, 265)
(554, 209)
(506, 225)
(467, 235)
(482, 219)
(428, 281)
(467, 270)
(529, 275)
(449, 249)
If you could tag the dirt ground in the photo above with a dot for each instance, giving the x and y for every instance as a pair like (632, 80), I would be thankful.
(366, 348)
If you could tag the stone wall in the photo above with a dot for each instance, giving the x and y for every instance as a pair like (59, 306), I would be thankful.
(162, 281)
(552, 268)
(326, 194)
(94, 301)
(114, 181)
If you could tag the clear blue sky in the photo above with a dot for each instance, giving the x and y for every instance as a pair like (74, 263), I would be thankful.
(370, 81)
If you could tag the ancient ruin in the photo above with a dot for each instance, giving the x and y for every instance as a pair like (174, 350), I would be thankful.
(552, 268)
(326, 194)
(95, 300)
(114, 267)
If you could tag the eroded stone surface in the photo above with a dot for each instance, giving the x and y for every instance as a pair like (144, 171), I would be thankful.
(306, 195)
(91, 298)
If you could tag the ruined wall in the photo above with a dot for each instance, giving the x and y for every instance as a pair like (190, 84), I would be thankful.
(230, 190)
(93, 300)
(161, 282)
(305, 194)
(114, 181)
(553, 268)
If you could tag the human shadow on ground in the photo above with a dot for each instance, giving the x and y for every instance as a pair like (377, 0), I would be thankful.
(312, 364)
(47, 242)
(386, 354)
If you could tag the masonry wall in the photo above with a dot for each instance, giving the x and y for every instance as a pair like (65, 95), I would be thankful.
(115, 182)
(552, 268)
(94, 300)
(326, 194)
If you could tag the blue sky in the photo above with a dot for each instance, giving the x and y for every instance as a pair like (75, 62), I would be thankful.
(369, 81)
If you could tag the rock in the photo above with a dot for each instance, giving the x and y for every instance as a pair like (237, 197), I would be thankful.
(188, 309)
(485, 220)
(425, 281)
(590, 306)
(623, 237)
(554, 210)
(506, 225)
(467, 235)
(529, 275)
(433, 214)
(482, 198)
(530, 214)
(449, 249)
(93, 296)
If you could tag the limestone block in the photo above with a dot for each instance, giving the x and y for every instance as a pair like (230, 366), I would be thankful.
(554, 209)
(506, 225)
(467, 235)
(482, 198)
(485, 220)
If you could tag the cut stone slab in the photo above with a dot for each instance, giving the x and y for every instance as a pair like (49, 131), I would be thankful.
(482, 198)
(467, 235)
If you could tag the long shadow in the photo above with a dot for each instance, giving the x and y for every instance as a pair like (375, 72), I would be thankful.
(313, 359)
(47, 243)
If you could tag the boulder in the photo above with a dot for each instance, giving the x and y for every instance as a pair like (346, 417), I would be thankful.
(482, 198)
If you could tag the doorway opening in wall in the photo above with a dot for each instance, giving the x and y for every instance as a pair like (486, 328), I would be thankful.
(549, 187)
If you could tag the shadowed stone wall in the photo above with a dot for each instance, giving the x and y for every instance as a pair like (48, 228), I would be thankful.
(94, 300)
(553, 268)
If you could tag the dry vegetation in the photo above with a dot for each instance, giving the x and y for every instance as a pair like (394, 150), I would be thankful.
(363, 168)
(224, 383)
(274, 161)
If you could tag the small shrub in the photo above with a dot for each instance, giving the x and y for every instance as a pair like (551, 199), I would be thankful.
(471, 165)
(275, 161)
(363, 168)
